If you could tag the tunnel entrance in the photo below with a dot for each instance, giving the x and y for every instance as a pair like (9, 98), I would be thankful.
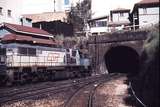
(122, 59)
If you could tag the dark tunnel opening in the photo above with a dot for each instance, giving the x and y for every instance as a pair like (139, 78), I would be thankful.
(122, 59)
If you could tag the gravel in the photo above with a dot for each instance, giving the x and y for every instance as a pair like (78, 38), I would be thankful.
(112, 94)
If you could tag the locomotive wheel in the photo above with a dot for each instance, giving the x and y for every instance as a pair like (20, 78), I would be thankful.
(26, 78)
(3, 80)
(34, 77)
(8, 82)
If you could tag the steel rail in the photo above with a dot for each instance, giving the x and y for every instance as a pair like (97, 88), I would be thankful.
(135, 96)
(13, 91)
(41, 92)
(91, 92)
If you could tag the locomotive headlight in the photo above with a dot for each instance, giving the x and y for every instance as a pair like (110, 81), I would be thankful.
(34, 41)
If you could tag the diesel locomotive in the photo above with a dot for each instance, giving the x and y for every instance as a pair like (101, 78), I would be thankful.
(27, 55)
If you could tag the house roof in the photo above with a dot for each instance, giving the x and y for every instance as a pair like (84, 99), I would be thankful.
(47, 16)
(98, 18)
(120, 10)
(16, 37)
(148, 1)
(26, 29)
(24, 38)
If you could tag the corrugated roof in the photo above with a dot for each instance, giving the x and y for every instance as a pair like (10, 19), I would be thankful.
(9, 37)
(44, 41)
(26, 29)
(15, 37)
(47, 16)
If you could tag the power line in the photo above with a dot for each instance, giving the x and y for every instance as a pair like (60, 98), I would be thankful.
(54, 5)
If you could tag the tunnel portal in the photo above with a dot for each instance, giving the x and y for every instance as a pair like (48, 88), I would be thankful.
(122, 59)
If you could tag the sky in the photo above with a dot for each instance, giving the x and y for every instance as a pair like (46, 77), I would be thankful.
(99, 7)
(39, 6)
(103, 7)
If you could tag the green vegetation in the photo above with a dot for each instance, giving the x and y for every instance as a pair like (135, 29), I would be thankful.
(147, 82)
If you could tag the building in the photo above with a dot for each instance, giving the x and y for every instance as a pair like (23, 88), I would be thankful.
(47, 16)
(145, 13)
(62, 5)
(10, 11)
(119, 19)
(103, 7)
(99, 25)
(13, 33)
(65, 5)
(27, 47)
(52, 22)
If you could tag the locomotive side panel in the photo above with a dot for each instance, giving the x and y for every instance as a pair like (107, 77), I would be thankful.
(35, 63)
(51, 58)
(28, 57)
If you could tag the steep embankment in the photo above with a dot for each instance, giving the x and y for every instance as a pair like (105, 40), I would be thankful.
(147, 82)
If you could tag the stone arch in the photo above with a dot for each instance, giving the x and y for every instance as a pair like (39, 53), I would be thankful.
(122, 59)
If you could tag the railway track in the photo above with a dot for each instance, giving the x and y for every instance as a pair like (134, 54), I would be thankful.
(43, 90)
(84, 96)
(22, 89)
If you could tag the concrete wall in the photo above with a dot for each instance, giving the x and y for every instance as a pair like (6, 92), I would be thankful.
(98, 27)
(99, 45)
(148, 17)
(16, 10)
(118, 18)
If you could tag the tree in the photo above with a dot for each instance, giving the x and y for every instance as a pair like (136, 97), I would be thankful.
(79, 15)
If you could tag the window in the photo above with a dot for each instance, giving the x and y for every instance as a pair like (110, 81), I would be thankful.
(27, 51)
(68, 50)
(9, 13)
(22, 51)
(2, 51)
(31, 52)
(101, 23)
(121, 14)
(144, 10)
(39, 51)
(74, 53)
(66, 2)
(1, 10)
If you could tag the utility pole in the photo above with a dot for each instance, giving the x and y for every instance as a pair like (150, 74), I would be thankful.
(54, 5)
